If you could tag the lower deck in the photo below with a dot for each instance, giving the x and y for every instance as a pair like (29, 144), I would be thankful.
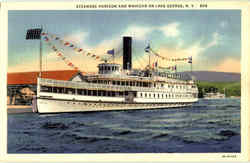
(48, 105)
(130, 97)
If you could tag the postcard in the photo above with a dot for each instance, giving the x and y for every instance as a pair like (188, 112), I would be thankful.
(124, 81)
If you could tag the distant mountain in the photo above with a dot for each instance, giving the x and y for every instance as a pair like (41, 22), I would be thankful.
(213, 76)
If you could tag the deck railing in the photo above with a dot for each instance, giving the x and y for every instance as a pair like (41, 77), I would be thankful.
(85, 85)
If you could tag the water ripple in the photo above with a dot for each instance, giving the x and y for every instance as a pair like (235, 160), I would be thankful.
(207, 126)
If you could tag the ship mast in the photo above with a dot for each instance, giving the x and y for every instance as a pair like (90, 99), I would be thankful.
(35, 34)
(40, 70)
(147, 50)
(149, 62)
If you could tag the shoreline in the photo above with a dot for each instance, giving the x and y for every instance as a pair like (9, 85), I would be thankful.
(19, 109)
(18, 106)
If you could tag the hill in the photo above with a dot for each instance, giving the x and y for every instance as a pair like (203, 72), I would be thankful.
(229, 88)
(213, 76)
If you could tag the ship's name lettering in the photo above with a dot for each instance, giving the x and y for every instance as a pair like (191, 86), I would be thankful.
(85, 6)
(107, 6)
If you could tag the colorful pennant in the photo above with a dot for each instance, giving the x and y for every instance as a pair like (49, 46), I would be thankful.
(60, 54)
(148, 49)
(74, 47)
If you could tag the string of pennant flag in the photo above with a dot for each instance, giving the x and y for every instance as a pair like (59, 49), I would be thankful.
(69, 44)
(59, 53)
(171, 68)
(66, 61)
(51, 38)
(148, 50)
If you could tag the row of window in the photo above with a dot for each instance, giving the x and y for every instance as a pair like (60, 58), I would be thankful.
(109, 68)
(123, 83)
(163, 95)
(138, 84)
(178, 86)
(85, 92)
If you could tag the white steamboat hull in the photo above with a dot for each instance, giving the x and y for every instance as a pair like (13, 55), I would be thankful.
(73, 100)
(61, 106)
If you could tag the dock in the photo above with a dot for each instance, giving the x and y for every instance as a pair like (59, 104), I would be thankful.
(19, 109)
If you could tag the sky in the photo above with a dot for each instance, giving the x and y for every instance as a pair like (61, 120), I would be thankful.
(211, 37)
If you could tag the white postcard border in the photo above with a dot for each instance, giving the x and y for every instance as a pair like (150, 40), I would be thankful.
(5, 7)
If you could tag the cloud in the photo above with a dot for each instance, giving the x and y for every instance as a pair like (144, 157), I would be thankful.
(171, 30)
(80, 60)
(223, 24)
(77, 37)
(180, 43)
(214, 42)
(50, 56)
(194, 50)
(138, 32)
(197, 48)
(106, 45)
(228, 65)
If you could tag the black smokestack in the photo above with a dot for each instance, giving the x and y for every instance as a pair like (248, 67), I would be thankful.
(127, 53)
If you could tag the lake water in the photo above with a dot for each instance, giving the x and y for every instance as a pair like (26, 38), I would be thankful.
(207, 126)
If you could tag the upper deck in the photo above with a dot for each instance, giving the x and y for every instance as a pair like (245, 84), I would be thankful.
(114, 72)
(116, 85)
(112, 78)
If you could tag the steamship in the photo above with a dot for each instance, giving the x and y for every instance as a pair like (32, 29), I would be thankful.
(116, 87)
